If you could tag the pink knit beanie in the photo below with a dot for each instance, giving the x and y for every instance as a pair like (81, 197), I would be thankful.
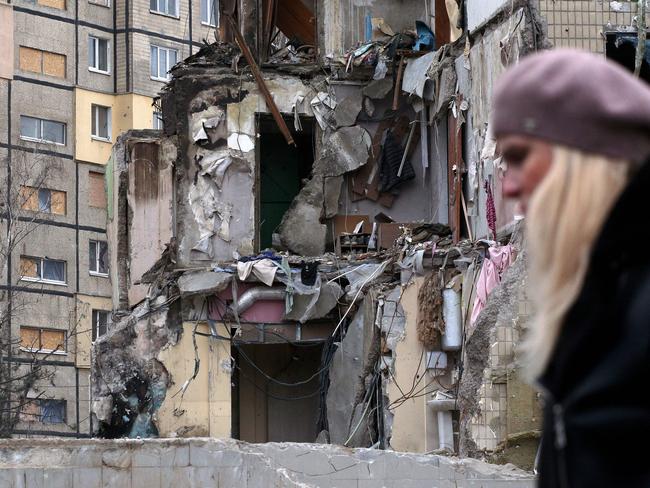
(576, 99)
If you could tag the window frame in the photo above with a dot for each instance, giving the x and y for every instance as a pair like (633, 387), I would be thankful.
(106, 4)
(157, 117)
(97, 258)
(39, 402)
(40, 350)
(96, 43)
(169, 67)
(94, 120)
(211, 12)
(41, 267)
(175, 15)
(40, 130)
(94, 318)
(37, 191)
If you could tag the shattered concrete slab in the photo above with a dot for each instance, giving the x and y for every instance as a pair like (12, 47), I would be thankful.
(316, 305)
(347, 111)
(378, 89)
(345, 150)
(203, 283)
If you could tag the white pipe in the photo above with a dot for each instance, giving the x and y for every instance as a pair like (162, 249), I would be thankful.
(452, 339)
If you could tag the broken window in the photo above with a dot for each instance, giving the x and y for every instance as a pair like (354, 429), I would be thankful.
(41, 130)
(283, 168)
(162, 60)
(100, 320)
(101, 122)
(42, 200)
(44, 62)
(36, 339)
(98, 55)
(42, 269)
(98, 257)
(47, 411)
(165, 7)
(96, 193)
(210, 12)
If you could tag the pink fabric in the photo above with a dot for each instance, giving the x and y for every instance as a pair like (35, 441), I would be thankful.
(495, 264)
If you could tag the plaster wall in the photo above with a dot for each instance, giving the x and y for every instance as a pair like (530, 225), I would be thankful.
(6, 41)
(204, 409)
(480, 11)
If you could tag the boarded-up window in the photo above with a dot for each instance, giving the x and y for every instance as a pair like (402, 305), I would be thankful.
(30, 338)
(42, 340)
(31, 411)
(96, 193)
(42, 269)
(31, 59)
(30, 267)
(58, 4)
(44, 62)
(54, 64)
(43, 200)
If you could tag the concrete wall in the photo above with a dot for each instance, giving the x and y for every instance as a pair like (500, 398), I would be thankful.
(6, 41)
(215, 463)
(480, 11)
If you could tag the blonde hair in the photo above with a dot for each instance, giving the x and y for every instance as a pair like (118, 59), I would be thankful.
(565, 216)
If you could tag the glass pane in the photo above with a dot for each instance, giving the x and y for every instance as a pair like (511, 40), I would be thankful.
(53, 270)
(29, 127)
(153, 5)
(172, 59)
(92, 256)
(44, 200)
(52, 411)
(204, 11)
(103, 257)
(53, 131)
(93, 121)
(92, 59)
(154, 61)
(171, 7)
(104, 115)
(162, 63)
(103, 54)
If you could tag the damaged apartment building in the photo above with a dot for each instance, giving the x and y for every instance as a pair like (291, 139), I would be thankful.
(315, 248)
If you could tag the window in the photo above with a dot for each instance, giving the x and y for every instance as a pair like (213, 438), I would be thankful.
(98, 55)
(42, 269)
(157, 121)
(165, 7)
(100, 323)
(43, 62)
(42, 200)
(101, 122)
(35, 339)
(42, 130)
(210, 12)
(96, 193)
(57, 4)
(98, 257)
(162, 59)
(44, 410)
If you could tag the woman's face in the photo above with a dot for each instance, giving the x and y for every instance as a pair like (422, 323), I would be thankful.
(528, 160)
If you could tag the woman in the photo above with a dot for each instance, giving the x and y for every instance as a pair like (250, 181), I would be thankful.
(574, 130)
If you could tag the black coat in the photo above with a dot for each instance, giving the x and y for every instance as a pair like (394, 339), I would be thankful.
(597, 409)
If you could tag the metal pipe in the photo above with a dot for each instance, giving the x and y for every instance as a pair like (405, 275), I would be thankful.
(252, 295)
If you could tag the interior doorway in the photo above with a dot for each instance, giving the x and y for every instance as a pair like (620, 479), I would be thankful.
(267, 409)
(282, 170)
